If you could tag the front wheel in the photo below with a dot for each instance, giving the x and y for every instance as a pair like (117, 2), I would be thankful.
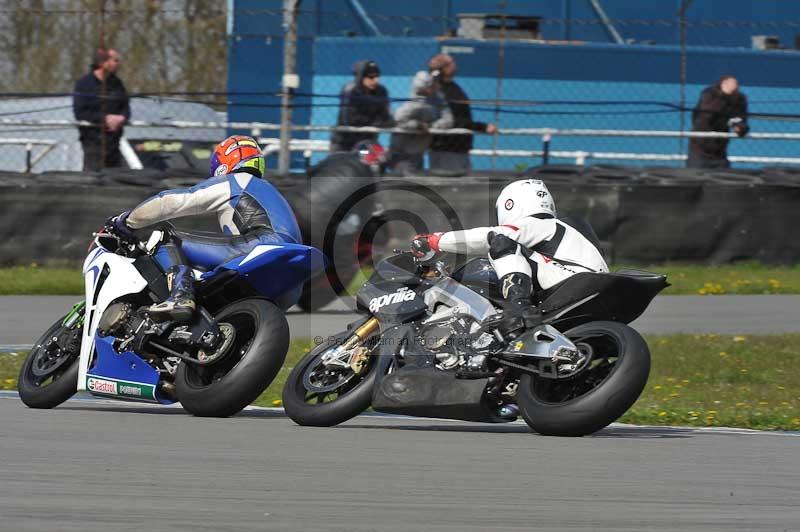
(248, 365)
(604, 390)
(320, 395)
(49, 375)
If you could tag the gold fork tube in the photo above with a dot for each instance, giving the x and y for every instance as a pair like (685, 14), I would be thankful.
(361, 333)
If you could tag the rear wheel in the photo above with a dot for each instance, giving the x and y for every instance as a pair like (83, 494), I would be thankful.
(604, 390)
(247, 366)
(320, 395)
(49, 375)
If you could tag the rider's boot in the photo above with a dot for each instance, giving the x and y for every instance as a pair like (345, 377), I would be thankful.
(516, 289)
(180, 304)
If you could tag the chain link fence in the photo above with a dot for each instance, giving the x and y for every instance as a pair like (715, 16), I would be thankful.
(542, 81)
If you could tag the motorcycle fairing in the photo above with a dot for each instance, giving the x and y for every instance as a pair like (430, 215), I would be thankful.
(390, 302)
(107, 277)
(622, 296)
(122, 375)
(276, 270)
(425, 391)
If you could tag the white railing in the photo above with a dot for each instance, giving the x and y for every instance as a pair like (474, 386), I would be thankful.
(309, 146)
(579, 156)
(257, 127)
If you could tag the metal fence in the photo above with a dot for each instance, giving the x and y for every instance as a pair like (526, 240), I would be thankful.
(538, 80)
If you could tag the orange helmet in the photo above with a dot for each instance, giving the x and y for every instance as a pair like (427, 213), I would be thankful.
(235, 152)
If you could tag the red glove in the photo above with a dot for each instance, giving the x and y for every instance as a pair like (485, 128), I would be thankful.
(425, 246)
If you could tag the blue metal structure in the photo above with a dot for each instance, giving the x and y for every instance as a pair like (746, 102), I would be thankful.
(597, 84)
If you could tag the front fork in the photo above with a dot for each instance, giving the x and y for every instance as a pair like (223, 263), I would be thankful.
(352, 353)
(75, 316)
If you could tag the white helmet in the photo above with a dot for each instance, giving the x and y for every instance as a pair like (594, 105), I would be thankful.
(524, 198)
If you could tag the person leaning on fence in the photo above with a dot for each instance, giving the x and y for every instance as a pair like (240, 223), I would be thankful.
(100, 97)
(451, 152)
(427, 109)
(721, 107)
(362, 102)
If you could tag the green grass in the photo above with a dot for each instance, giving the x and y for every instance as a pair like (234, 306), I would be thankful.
(696, 380)
(36, 280)
(742, 278)
(722, 380)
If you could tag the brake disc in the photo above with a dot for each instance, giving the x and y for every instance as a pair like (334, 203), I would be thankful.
(228, 336)
(321, 379)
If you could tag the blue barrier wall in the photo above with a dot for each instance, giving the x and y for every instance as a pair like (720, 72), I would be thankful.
(645, 77)
(556, 73)
(640, 20)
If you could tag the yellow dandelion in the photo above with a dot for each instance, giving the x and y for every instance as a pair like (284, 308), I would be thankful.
(743, 370)
(685, 381)
(763, 402)
(10, 381)
(277, 402)
(711, 412)
(657, 387)
(739, 338)
(741, 404)
(662, 414)
(674, 394)
(723, 354)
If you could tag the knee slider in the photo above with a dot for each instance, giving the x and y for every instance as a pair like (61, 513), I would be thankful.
(501, 246)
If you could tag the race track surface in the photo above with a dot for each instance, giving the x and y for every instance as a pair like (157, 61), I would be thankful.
(97, 466)
(24, 318)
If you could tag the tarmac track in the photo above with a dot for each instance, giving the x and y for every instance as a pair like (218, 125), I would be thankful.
(94, 465)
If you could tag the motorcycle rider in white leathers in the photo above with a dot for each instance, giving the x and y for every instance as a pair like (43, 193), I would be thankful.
(530, 248)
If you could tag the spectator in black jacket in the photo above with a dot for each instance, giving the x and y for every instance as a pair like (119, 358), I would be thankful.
(100, 97)
(362, 102)
(451, 152)
(720, 108)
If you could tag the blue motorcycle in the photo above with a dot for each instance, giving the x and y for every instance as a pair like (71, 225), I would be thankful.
(109, 346)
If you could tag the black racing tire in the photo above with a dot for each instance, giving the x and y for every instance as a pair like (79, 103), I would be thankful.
(344, 407)
(589, 412)
(63, 380)
(225, 387)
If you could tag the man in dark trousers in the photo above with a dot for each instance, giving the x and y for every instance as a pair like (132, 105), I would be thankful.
(362, 102)
(100, 97)
(721, 107)
(451, 152)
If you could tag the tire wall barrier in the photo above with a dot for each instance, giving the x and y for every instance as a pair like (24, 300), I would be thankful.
(641, 215)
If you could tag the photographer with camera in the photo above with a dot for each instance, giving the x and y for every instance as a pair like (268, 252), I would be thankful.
(721, 107)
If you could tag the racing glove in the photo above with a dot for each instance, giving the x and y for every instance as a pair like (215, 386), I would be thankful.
(116, 226)
(425, 246)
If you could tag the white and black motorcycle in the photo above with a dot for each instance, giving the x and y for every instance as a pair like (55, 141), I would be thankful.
(109, 346)
(433, 344)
